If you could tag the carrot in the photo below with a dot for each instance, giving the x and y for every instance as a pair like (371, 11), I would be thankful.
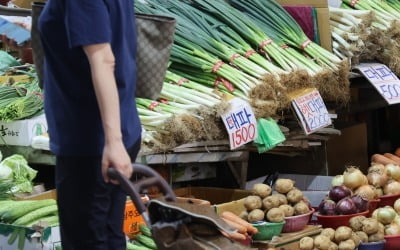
(241, 229)
(234, 236)
(378, 158)
(233, 217)
(397, 152)
(393, 158)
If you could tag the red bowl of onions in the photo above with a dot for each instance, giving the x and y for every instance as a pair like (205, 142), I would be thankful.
(335, 221)
(388, 200)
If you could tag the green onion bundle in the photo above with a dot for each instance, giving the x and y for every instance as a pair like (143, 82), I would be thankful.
(278, 21)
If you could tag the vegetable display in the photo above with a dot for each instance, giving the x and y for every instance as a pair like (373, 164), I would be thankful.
(266, 205)
(16, 175)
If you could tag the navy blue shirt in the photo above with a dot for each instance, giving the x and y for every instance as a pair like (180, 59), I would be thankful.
(71, 108)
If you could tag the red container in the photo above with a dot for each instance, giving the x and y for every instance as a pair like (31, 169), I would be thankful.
(297, 223)
(372, 206)
(335, 221)
(392, 242)
(388, 200)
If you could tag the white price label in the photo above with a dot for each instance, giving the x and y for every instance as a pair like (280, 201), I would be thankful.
(335, 3)
(240, 123)
(311, 111)
(383, 79)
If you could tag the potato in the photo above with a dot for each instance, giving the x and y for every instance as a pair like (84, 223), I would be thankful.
(283, 186)
(322, 242)
(294, 196)
(329, 232)
(282, 198)
(275, 215)
(370, 226)
(255, 215)
(381, 228)
(262, 190)
(287, 210)
(244, 215)
(356, 223)
(376, 237)
(306, 243)
(347, 245)
(363, 236)
(333, 246)
(252, 202)
(301, 208)
(342, 233)
(270, 202)
(355, 238)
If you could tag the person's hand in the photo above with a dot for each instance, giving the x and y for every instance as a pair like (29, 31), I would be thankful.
(115, 156)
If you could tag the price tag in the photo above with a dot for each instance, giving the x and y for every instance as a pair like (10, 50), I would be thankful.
(335, 3)
(383, 79)
(240, 122)
(311, 111)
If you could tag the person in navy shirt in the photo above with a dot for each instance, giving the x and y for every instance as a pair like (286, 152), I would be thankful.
(89, 89)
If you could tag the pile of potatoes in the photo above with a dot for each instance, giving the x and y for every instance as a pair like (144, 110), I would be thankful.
(274, 207)
(361, 229)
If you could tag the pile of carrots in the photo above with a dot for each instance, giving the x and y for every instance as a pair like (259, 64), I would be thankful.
(387, 158)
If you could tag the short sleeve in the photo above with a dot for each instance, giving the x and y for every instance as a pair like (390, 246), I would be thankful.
(87, 22)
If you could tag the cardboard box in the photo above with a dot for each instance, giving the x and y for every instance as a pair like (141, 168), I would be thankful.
(211, 194)
(46, 239)
(26, 4)
(223, 199)
(324, 28)
(21, 133)
(51, 194)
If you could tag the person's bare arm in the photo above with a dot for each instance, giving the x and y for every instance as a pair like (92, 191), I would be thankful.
(102, 64)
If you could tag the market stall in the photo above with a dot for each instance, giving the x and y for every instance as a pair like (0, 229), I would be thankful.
(272, 78)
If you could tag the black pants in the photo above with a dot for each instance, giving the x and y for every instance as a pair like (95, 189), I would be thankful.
(91, 211)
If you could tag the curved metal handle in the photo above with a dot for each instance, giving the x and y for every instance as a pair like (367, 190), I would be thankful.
(135, 188)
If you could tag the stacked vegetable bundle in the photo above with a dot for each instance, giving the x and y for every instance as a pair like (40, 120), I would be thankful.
(287, 201)
(381, 41)
(223, 50)
(24, 214)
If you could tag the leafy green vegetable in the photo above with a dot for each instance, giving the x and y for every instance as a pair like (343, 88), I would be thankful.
(21, 175)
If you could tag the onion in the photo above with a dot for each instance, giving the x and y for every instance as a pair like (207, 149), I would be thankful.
(396, 220)
(377, 167)
(377, 179)
(360, 202)
(353, 178)
(393, 171)
(327, 207)
(386, 215)
(392, 229)
(339, 192)
(392, 187)
(367, 192)
(346, 206)
(375, 213)
(379, 192)
(337, 180)
(396, 206)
